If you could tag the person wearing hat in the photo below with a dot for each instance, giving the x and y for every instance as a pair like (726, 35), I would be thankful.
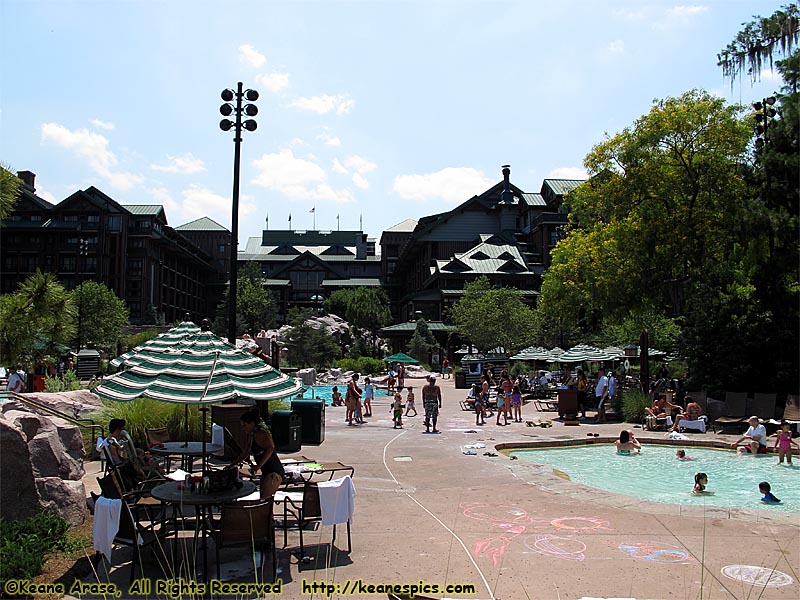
(432, 402)
(756, 436)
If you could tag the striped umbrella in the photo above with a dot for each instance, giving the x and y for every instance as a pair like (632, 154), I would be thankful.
(165, 340)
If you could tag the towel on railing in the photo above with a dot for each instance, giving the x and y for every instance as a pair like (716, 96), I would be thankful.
(337, 500)
(217, 435)
(106, 524)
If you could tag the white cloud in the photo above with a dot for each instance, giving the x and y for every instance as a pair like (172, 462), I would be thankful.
(324, 104)
(614, 49)
(568, 173)
(185, 164)
(92, 147)
(686, 11)
(45, 195)
(452, 184)
(102, 124)
(362, 165)
(296, 178)
(771, 75)
(631, 15)
(274, 82)
(297, 142)
(338, 167)
(250, 56)
(360, 181)
(329, 140)
(162, 196)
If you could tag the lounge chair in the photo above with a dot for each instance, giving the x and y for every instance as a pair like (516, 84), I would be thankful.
(249, 524)
(736, 411)
(764, 405)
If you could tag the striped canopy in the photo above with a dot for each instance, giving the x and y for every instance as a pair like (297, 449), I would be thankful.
(198, 369)
(584, 352)
(168, 339)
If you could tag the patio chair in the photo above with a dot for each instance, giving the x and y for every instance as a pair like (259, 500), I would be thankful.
(132, 532)
(159, 435)
(764, 405)
(305, 508)
(736, 409)
(249, 524)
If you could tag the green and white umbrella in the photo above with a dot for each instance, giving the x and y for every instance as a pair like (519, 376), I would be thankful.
(400, 357)
(201, 369)
(169, 339)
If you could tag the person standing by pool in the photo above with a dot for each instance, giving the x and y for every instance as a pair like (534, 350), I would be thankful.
(369, 394)
(445, 369)
(432, 402)
(352, 398)
(401, 377)
(504, 398)
(516, 404)
(397, 410)
(410, 403)
(601, 393)
(756, 436)
(627, 444)
(784, 443)
(582, 386)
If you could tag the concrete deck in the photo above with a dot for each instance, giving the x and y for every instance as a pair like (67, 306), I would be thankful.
(426, 513)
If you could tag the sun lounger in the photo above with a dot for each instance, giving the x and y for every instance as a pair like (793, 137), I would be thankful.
(736, 409)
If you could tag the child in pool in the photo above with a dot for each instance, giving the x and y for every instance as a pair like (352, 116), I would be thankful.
(700, 483)
(784, 443)
(410, 402)
(768, 498)
(397, 410)
(681, 455)
(336, 397)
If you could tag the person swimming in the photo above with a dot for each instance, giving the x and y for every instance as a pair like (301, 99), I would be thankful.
(627, 444)
(768, 497)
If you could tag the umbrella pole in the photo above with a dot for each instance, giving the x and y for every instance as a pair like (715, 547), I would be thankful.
(185, 425)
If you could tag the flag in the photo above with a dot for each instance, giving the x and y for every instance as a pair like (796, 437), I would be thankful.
(313, 210)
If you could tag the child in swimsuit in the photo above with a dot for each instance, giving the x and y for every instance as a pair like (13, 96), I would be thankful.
(410, 402)
(700, 483)
(784, 443)
(397, 410)
(516, 404)
(768, 498)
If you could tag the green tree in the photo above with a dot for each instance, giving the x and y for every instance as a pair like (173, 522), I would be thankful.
(9, 191)
(102, 314)
(367, 310)
(664, 332)
(307, 346)
(422, 342)
(255, 306)
(36, 320)
(490, 317)
(667, 200)
(756, 44)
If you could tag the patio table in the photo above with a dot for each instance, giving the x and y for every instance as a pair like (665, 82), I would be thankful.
(173, 493)
(187, 451)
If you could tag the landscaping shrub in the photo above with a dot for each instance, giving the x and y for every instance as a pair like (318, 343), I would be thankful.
(67, 382)
(633, 404)
(140, 338)
(363, 364)
(25, 544)
(145, 413)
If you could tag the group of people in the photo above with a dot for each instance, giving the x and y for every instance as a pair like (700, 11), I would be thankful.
(605, 388)
(509, 398)
(662, 408)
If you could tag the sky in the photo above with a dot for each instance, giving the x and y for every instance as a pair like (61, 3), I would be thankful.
(369, 111)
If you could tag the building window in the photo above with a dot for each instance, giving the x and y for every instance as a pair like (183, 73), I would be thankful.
(114, 223)
(553, 238)
(36, 218)
(222, 248)
(68, 264)
(71, 218)
(94, 218)
(137, 243)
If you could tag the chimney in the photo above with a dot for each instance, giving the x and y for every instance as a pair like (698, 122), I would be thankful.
(28, 179)
(506, 196)
(361, 246)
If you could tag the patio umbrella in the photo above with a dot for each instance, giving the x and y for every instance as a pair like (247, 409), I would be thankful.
(201, 369)
(400, 357)
(168, 339)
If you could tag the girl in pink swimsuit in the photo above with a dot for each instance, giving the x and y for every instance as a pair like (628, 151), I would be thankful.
(784, 443)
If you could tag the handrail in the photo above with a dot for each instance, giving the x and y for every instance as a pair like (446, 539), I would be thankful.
(77, 421)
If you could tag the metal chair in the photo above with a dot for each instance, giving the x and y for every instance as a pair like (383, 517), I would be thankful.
(249, 524)
(736, 409)
(159, 435)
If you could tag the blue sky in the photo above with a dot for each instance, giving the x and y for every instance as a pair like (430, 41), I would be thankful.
(384, 109)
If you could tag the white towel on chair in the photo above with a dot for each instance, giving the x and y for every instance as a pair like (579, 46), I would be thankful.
(698, 424)
(106, 524)
(337, 500)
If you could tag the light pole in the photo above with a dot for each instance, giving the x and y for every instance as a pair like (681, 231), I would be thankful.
(764, 116)
(83, 251)
(250, 110)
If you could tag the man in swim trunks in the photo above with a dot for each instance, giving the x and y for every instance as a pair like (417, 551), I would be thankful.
(432, 402)
(756, 437)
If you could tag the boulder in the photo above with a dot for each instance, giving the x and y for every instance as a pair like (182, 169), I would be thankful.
(78, 403)
(66, 497)
(19, 498)
(307, 376)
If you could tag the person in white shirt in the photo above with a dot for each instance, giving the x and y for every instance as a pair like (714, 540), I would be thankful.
(756, 436)
(16, 381)
(601, 393)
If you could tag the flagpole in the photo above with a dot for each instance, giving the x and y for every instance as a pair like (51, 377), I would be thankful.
(290, 221)
(337, 222)
(314, 210)
(267, 221)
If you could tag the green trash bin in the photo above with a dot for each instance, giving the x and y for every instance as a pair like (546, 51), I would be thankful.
(461, 380)
(312, 415)
(285, 428)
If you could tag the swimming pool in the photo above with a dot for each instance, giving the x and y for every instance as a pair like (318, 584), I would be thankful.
(325, 392)
(656, 474)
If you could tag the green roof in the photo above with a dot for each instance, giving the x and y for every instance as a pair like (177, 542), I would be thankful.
(563, 186)
(406, 226)
(143, 209)
(352, 282)
(534, 199)
(201, 224)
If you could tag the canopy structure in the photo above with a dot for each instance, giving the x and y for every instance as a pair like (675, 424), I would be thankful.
(199, 369)
(400, 357)
(169, 339)
(538, 354)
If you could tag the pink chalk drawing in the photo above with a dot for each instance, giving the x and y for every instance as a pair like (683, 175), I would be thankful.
(656, 552)
(757, 576)
(514, 521)
(556, 546)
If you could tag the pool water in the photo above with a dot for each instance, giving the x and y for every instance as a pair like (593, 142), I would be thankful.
(658, 476)
(324, 392)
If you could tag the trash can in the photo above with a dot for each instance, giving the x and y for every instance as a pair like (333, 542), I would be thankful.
(461, 380)
(285, 427)
(312, 415)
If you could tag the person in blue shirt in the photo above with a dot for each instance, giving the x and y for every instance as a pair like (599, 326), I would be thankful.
(768, 498)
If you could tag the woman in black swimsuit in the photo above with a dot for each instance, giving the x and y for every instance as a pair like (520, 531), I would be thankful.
(261, 446)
